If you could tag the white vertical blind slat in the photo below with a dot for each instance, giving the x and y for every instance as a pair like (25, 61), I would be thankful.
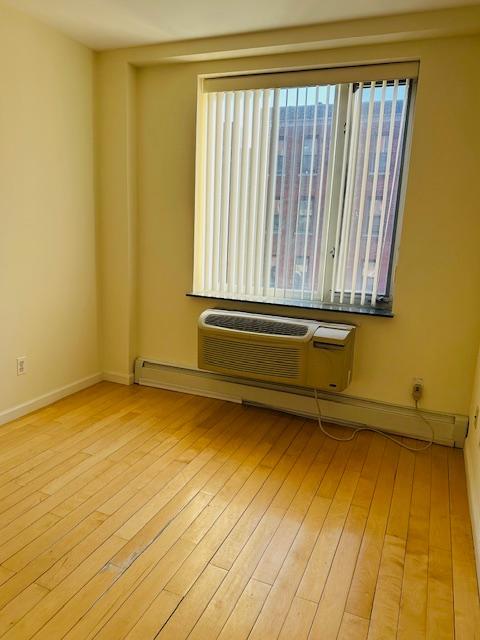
(243, 211)
(341, 200)
(322, 258)
(260, 235)
(272, 183)
(349, 192)
(291, 197)
(398, 153)
(297, 208)
(309, 199)
(234, 193)
(210, 189)
(253, 190)
(217, 221)
(200, 196)
(366, 158)
(224, 217)
(282, 203)
(373, 197)
(386, 181)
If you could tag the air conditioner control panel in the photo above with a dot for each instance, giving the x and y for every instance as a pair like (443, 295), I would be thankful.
(330, 357)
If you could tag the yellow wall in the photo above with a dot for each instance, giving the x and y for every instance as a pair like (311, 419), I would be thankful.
(435, 320)
(147, 103)
(48, 290)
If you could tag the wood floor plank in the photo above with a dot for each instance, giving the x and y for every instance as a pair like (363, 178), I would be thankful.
(232, 512)
(139, 513)
(388, 590)
(60, 434)
(246, 611)
(318, 567)
(119, 607)
(117, 626)
(59, 475)
(440, 613)
(44, 611)
(20, 606)
(272, 494)
(242, 569)
(185, 615)
(299, 620)
(5, 574)
(274, 556)
(284, 589)
(148, 579)
(353, 627)
(223, 602)
(328, 617)
(360, 597)
(368, 478)
(397, 524)
(413, 605)
(23, 530)
(465, 595)
(439, 501)
(201, 466)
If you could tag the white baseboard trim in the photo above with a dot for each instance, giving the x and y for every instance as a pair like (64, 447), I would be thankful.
(119, 378)
(474, 502)
(449, 429)
(48, 398)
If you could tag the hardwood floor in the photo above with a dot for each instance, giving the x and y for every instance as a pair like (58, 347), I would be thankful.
(129, 512)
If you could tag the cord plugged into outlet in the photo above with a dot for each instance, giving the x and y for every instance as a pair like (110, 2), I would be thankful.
(417, 393)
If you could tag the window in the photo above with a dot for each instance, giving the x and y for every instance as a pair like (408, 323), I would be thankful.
(382, 160)
(273, 274)
(298, 190)
(280, 161)
(309, 160)
(305, 212)
(276, 215)
(280, 154)
(302, 264)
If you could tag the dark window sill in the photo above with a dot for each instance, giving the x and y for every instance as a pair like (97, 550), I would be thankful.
(304, 304)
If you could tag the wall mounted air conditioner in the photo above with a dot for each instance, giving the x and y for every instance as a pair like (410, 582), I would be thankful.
(307, 353)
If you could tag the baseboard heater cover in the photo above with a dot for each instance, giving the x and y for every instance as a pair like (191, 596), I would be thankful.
(449, 429)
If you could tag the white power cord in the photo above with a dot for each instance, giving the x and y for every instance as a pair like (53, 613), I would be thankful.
(380, 433)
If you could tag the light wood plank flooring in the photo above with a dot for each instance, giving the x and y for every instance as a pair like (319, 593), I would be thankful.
(139, 513)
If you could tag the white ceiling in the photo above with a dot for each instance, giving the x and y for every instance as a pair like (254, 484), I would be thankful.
(107, 24)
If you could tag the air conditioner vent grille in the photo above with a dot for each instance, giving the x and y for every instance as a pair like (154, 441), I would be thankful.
(252, 358)
(256, 325)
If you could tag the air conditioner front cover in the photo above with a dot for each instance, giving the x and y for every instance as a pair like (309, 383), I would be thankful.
(254, 346)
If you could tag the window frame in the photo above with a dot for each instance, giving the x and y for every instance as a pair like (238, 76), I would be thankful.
(383, 306)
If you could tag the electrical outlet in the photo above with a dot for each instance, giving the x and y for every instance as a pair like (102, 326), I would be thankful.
(417, 389)
(21, 365)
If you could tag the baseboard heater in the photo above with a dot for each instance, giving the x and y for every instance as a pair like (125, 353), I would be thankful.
(449, 429)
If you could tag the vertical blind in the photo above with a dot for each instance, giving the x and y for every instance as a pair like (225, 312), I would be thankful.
(297, 191)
